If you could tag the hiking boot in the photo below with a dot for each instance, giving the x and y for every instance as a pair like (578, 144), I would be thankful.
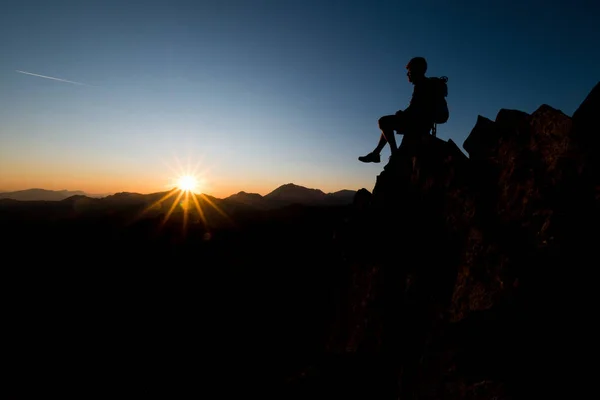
(371, 157)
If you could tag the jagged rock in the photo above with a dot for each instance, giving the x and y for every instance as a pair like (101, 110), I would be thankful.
(362, 199)
(586, 127)
(512, 120)
(482, 139)
(586, 138)
(465, 268)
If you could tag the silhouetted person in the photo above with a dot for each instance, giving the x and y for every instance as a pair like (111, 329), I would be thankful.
(416, 120)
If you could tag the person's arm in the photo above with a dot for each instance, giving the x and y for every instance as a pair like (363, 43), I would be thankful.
(406, 109)
(411, 105)
(420, 103)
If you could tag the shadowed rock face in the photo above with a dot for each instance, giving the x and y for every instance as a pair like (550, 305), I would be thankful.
(470, 275)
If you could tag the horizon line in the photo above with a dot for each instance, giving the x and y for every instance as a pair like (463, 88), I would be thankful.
(89, 194)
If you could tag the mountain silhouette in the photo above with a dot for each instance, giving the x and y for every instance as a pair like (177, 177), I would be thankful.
(173, 205)
(284, 195)
(243, 199)
(295, 194)
(340, 197)
(40, 194)
(290, 193)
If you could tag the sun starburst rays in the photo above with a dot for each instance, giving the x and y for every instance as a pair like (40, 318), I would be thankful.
(173, 205)
(182, 199)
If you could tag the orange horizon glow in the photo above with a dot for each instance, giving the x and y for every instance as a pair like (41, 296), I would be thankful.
(219, 191)
(145, 180)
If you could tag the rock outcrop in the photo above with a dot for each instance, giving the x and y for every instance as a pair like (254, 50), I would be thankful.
(470, 276)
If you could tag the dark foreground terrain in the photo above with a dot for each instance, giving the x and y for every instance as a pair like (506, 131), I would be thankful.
(95, 299)
(455, 278)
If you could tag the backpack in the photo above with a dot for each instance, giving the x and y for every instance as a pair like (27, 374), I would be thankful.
(440, 91)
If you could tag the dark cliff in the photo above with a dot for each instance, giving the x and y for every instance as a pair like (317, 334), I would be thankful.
(470, 276)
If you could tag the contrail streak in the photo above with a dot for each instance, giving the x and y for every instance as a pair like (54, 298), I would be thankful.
(50, 77)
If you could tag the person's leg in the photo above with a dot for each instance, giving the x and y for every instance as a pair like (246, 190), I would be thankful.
(415, 129)
(387, 125)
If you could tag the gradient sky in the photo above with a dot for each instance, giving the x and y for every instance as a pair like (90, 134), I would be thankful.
(262, 93)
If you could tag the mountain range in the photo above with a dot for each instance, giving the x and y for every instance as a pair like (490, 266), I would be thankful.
(37, 194)
(284, 195)
(42, 194)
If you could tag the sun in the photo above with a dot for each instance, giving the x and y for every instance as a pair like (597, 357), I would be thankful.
(187, 183)
(184, 197)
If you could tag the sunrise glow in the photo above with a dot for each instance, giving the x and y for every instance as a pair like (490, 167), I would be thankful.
(187, 183)
(184, 197)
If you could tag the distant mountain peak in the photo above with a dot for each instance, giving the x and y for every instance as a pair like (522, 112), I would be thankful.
(293, 188)
(243, 193)
(291, 193)
(37, 194)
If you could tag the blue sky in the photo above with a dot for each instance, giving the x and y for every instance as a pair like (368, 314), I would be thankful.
(262, 93)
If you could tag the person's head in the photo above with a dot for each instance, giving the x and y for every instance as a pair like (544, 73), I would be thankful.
(416, 69)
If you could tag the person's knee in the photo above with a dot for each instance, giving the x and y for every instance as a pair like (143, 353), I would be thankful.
(386, 123)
